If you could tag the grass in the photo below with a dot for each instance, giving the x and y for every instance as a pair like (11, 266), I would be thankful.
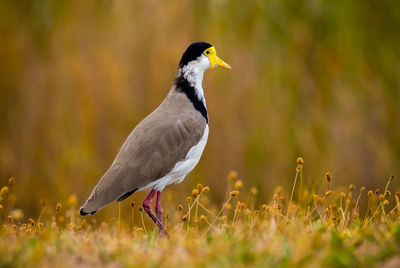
(319, 230)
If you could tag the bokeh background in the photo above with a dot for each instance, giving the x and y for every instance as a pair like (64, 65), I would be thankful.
(317, 79)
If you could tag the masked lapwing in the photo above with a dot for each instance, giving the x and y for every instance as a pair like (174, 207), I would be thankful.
(164, 147)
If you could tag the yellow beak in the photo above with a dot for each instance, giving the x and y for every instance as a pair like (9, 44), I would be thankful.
(214, 60)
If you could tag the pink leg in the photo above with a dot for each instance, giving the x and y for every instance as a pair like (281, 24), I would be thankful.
(147, 208)
(159, 210)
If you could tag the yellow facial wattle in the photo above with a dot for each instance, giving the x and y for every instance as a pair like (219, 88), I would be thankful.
(211, 53)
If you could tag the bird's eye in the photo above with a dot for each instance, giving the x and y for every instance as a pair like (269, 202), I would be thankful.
(207, 52)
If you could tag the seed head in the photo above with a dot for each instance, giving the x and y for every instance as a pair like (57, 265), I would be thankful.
(232, 176)
(140, 208)
(58, 206)
(195, 193)
(342, 195)
(1, 207)
(203, 218)
(381, 197)
(31, 222)
(362, 189)
(4, 190)
(253, 190)
(391, 177)
(184, 218)
(188, 199)
(377, 191)
(72, 200)
(132, 204)
(370, 193)
(300, 161)
(386, 202)
(397, 194)
(180, 207)
(351, 187)
(234, 193)
(328, 176)
(11, 181)
(205, 189)
(17, 214)
(328, 193)
(10, 218)
(199, 187)
(275, 197)
(238, 185)
(278, 190)
(388, 194)
(347, 202)
(299, 168)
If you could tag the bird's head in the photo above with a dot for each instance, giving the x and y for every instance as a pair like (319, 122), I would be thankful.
(201, 56)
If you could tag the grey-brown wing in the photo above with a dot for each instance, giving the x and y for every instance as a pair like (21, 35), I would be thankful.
(149, 153)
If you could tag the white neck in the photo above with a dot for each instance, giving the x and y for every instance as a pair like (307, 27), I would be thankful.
(193, 72)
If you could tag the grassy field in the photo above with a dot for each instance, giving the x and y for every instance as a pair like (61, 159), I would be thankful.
(294, 228)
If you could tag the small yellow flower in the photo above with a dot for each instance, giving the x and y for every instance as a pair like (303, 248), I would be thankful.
(184, 218)
(386, 202)
(328, 193)
(362, 189)
(195, 193)
(58, 206)
(205, 189)
(11, 181)
(328, 176)
(199, 187)
(17, 214)
(351, 187)
(238, 185)
(232, 176)
(276, 197)
(234, 193)
(300, 161)
(253, 190)
(72, 201)
(4, 190)
(188, 199)
(203, 218)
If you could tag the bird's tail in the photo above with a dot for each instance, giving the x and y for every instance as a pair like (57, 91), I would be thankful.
(103, 194)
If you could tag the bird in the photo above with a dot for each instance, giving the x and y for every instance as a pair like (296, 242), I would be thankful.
(167, 144)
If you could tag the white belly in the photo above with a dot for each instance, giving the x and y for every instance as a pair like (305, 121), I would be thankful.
(183, 167)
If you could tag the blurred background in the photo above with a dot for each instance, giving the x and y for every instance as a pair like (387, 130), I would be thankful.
(317, 79)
